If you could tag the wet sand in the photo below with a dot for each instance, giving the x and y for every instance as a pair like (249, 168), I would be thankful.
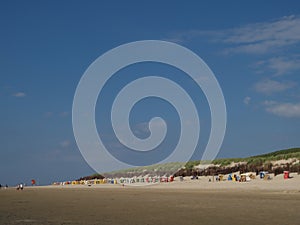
(161, 204)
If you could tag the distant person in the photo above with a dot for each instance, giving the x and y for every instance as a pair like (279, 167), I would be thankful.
(6, 186)
(20, 187)
(0, 186)
(33, 182)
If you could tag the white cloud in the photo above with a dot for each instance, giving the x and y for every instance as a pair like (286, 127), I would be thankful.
(19, 94)
(268, 86)
(266, 36)
(283, 109)
(257, 38)
(65, 143)
(247, 100)
(281, 65)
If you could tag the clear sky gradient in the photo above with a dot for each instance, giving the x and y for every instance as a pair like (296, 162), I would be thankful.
(45, 47)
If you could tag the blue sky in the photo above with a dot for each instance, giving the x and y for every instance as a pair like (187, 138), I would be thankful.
(252, 48)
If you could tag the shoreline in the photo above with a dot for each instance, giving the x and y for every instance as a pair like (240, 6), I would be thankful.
(275, 184)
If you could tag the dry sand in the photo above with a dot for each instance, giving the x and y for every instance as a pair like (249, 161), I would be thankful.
(188, 202)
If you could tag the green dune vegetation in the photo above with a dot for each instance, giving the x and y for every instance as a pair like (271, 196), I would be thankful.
(274, 162)
(292, 153)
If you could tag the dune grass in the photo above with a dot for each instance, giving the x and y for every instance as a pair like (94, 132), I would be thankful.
(173, 166)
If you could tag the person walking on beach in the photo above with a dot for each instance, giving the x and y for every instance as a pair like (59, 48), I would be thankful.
(20, 187)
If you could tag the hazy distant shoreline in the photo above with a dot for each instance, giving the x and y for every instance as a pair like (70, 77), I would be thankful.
(277, 183)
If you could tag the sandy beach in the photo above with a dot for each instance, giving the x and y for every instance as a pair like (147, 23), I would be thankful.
(188, 202)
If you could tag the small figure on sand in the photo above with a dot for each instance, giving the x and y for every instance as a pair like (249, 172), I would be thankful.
(33, 182)
(20, 186)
